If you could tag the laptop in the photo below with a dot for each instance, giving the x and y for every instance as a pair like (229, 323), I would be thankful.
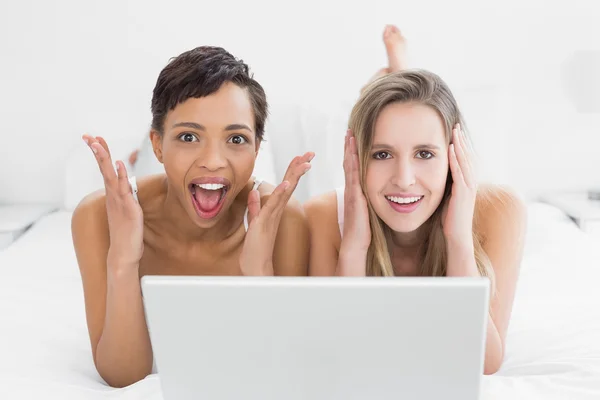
(317, 338)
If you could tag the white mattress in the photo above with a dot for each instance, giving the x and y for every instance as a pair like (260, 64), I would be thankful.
(553, 345)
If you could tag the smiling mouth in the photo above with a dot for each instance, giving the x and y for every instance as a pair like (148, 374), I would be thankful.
(404, 204)
(403, 200)
(208, 198)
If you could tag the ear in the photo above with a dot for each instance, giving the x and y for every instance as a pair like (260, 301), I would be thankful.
(156, 139)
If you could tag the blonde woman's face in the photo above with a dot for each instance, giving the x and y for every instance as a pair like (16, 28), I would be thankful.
(407, 166)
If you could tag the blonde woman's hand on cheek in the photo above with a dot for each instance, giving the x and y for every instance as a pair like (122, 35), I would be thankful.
(263, 220)
(458, 216)
(356, 236)
(125, 217)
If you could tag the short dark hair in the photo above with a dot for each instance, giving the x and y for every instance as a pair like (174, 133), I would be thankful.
(200, 72)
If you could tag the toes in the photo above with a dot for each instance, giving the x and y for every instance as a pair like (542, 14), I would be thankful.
(387, 31)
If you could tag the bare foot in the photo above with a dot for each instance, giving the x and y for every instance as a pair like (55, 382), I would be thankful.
(395, 45)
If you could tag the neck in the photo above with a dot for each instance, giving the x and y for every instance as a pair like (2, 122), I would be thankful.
(406, 250)
(409, 241)
(180, 227)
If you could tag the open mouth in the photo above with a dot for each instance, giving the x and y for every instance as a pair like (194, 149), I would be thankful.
(208, 198)
(404, 204)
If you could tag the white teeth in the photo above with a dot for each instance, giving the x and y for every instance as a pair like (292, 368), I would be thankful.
(403, 200)
(210, 186)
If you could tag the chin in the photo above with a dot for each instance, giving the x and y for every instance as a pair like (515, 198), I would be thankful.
(404, 226)
(399, 222)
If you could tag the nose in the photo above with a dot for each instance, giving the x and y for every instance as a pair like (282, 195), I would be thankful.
(404, 174)
(212, 158)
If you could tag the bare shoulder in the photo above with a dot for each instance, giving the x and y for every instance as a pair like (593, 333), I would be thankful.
(89, 227)
(90, 211)
(500, 212)
(493, 199)
(293, 208)
(322, 215)
(90, 220)
(324, 205)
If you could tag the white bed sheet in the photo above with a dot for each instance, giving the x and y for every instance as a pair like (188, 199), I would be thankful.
(553, 346)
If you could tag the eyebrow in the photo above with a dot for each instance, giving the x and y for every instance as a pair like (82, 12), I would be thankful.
(381, 146)
(235, 127)
(194, 125)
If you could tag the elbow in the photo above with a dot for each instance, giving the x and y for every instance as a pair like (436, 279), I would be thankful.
(123, 375)
(491, 369)
(118, 378)
(116, 383)
(493, 362)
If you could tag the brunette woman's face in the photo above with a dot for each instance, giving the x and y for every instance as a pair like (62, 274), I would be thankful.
(208, 149)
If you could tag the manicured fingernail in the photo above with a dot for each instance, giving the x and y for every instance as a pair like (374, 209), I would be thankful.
(307, 168)
(311, 157)
(94, 150)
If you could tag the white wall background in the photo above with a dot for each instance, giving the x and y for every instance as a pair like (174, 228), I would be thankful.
(71, 66)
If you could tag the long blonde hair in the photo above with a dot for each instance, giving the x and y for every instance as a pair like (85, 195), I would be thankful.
(415, 86)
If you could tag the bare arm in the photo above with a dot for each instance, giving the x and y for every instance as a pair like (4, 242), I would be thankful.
(503, 227)
(113, 302)
(290, 255)
(107, 234)
(334, 253)
(325, 238)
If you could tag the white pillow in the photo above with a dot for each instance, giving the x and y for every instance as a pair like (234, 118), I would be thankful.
(148, 164)
(264, 167)
(82, 175)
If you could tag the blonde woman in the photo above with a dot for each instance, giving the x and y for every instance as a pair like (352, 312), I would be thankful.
(411, 206)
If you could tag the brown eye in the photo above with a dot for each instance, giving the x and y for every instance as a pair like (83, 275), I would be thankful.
(238, 139)
(187, 137)
(382, 155)
(424, 154)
